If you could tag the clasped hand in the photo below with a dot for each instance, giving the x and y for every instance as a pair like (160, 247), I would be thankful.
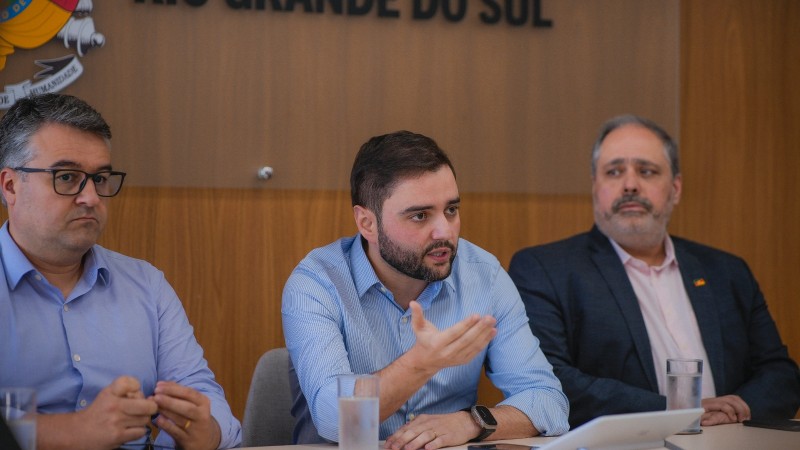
(120, 413)
(725, 409)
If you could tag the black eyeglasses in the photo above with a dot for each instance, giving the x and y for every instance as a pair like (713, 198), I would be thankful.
(107, 183)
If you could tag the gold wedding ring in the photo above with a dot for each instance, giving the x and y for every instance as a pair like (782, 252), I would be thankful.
(186, 427)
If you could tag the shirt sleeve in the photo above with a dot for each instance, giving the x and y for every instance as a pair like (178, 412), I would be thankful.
(768, 379)
(516, 365)
(316, 345)
(180, 359)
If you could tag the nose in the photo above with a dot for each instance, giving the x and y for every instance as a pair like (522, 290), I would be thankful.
(630, 184)
(444, 228)
(88, 196)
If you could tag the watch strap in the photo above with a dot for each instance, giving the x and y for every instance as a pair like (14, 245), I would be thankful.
(485, 432)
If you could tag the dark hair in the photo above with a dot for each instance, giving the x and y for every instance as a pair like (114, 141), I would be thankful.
(29, 114)
(670, 147)
(385, 160)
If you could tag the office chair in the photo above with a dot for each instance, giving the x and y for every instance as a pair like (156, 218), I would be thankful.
(267, 414)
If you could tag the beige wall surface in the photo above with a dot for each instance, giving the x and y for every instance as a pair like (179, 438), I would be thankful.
(228, 251)
(204, 96)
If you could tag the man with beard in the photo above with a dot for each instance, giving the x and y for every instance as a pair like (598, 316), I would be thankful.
(611, 305)
(407, 300)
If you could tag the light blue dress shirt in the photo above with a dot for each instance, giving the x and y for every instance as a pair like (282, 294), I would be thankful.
(122, 318)
(338, 319)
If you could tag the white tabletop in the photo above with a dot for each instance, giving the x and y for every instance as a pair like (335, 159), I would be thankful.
(720, 437)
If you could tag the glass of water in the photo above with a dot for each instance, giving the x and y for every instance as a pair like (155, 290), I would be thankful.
(358, 411)
(684, 387)
(18, 407)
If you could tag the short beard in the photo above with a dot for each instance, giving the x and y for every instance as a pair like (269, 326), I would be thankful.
(410, 264)
(649, 233)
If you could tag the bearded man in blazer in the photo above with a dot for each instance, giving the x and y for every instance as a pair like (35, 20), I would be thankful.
(611, 305)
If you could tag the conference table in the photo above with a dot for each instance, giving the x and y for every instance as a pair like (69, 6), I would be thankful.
(723, 437)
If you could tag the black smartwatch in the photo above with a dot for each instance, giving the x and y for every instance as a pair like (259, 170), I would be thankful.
(484, 418)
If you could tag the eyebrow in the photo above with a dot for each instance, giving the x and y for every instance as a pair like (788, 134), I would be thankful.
(644, 162)
(66, 163)
(416, 208)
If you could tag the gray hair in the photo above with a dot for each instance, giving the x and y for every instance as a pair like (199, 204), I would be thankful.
(29, 114)
(670, 147)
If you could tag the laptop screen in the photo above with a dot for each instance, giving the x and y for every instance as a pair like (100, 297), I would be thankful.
(626, 431)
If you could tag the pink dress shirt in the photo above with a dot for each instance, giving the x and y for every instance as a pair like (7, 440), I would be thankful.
(668, 314)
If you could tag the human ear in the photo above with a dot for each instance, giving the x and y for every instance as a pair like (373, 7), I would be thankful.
(677, 187)
(366, 221)
(7, 190)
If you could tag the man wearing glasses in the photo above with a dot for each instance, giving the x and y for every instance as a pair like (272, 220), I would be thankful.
(102, 337)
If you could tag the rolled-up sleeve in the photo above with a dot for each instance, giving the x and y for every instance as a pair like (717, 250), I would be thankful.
(180, 359)
(316, 346)
(517, 366)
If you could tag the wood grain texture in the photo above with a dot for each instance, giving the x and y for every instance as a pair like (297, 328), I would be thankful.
(740, 139)
(228, 252)
(211, 93)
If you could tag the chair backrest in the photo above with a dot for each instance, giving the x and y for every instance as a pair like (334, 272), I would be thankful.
(267, 414)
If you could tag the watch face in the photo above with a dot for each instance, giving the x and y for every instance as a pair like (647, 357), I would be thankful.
(486, 415)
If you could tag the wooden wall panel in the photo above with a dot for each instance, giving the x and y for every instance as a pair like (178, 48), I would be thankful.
(204, 96)
(228, 252)
(740, 110)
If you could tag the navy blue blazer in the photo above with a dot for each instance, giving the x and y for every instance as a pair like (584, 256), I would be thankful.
(583, 309)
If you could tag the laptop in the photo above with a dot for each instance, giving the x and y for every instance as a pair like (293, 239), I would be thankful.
(633, 431)
(7, 441)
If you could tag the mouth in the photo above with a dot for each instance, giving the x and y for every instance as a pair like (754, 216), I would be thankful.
(632, 204)
(85, 219)
(440, 252)
(440, 255)
(632, 207)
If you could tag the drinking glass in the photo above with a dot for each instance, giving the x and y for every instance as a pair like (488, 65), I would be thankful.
(358, 412)
(18, 407)
(684, 387)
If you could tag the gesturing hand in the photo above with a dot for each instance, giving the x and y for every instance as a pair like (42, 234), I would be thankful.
(453, 346)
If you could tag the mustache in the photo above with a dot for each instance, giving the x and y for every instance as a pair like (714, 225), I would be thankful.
(439, 244)
(631, 198)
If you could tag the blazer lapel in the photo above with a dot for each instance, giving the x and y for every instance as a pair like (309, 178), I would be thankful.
(701, 296)
(612, 270)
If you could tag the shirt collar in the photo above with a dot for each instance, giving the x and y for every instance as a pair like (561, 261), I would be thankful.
(364, 275)
(627, 259)
(96, 267)
(16, 265)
